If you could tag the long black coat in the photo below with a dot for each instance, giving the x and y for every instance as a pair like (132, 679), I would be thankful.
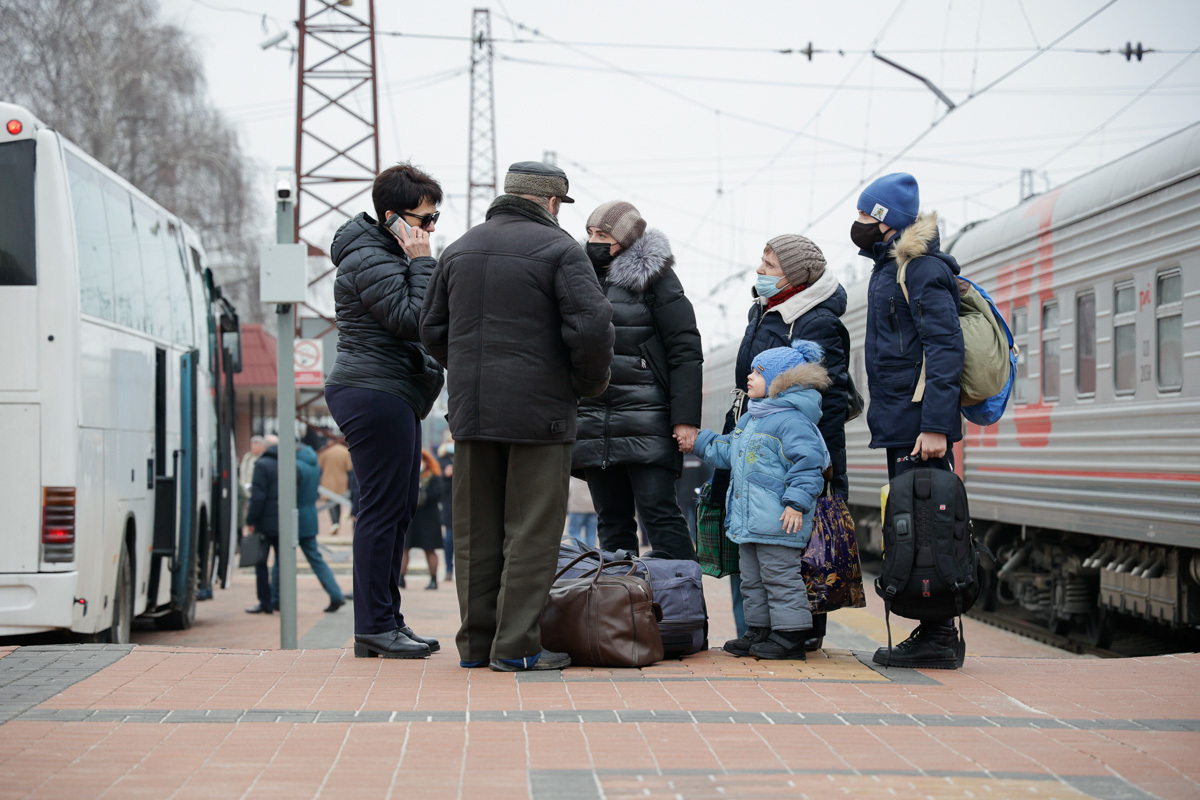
(378, 294)
(425, 530)
(818, 322)
(658, 364)
(900, 332)
(516, 315)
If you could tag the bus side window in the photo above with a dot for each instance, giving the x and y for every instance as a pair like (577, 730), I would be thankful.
(91, 239)
(128, 291)
(181, 299)
(151, 230)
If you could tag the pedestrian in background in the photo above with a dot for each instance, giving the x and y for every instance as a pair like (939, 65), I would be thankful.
(246, 473)
(581, 513)
(381, 386)
(914, 358)
(336, 465)
(425, 532)
(446, 459)
(631, 436)
(516, 315)
(263, 516)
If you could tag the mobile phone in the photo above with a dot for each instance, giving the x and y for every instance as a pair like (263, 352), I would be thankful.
(394, 228)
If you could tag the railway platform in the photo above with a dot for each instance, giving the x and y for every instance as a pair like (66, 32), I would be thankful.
(180, 716)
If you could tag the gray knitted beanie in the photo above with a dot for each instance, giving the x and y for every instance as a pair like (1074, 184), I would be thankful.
(619, 220)
(802, 261)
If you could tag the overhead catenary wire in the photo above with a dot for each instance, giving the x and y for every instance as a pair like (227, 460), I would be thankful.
(925, 133)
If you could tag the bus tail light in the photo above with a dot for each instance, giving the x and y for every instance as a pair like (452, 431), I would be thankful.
(58, 523)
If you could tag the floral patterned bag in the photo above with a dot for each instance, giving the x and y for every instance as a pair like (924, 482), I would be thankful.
(830, 564)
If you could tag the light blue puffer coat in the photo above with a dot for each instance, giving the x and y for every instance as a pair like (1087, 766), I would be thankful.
(776, 456)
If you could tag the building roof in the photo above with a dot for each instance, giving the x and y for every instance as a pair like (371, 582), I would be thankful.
(258, 359)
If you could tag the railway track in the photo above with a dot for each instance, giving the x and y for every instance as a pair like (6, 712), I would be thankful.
(1039, 633)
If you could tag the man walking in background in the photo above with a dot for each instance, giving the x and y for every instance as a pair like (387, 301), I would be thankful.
(335, 463)
(515, 313)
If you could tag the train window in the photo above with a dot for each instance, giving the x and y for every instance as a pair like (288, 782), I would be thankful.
(1169, 314)
(1050, 361)
(1020, 332)
(1124, 338)
(1085, 344)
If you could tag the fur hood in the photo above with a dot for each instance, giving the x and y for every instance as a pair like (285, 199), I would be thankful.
(917, 240)
(804, 376)
(636, 268)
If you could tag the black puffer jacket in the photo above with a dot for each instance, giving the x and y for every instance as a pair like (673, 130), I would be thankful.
(815, 315)
(378, 295)
(517, 316)
(658, 364)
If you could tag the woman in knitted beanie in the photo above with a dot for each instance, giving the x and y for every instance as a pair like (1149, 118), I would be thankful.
(628, 447)
(797, 298)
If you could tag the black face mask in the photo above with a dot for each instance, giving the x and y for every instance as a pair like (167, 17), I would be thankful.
(598, 253)
(865, 234)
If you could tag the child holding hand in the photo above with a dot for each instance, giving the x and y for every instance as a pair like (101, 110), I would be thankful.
(776, 456)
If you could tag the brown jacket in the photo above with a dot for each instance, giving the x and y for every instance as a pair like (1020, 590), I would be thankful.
(335, 463)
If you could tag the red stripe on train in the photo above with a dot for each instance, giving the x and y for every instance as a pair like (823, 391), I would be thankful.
(1153, 476)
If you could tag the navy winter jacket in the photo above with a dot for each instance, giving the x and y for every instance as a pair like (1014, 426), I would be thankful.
(900, 332)
(263, 513)
(818, 322)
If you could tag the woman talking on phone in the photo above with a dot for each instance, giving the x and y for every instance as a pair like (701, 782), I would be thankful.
(380, 388)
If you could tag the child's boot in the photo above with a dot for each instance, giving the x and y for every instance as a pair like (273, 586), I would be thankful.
(741, 646)
(781, 645)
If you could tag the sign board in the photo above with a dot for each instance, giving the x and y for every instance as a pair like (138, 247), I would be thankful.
(308, 358)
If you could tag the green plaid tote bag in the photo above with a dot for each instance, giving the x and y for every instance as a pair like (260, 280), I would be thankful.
(718, 555)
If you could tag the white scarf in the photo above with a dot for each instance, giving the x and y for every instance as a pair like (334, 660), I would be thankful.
(798, 305)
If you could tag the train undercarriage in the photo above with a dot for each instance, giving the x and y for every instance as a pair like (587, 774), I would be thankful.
(1078, 582)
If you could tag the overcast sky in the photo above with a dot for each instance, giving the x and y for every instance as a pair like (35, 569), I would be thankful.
(719, 140)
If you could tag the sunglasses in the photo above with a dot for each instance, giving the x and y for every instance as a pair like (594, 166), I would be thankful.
(425, 220)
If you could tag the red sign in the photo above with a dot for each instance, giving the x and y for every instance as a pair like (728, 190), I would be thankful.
(308, 360)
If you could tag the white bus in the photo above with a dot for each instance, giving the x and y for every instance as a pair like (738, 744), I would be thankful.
(116, 361)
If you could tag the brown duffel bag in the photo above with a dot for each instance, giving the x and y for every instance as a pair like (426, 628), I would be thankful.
(603, 620)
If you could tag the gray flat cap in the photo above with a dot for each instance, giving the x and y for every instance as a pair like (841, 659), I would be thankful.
(537, 179)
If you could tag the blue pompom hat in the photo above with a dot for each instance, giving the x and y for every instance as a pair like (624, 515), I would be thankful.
(893, 200)
(774, 362)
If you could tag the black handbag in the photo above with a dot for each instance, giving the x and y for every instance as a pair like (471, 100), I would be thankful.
(854, 400)
(254, 550)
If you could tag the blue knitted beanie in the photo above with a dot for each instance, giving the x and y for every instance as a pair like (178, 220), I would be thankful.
(772, 363)
(892, 199)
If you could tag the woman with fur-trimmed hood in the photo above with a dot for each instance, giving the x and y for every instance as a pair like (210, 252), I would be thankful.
(628, 447)
(776, 455)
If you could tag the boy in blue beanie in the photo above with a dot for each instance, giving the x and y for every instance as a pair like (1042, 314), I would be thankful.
(914, 356)
(776, 456)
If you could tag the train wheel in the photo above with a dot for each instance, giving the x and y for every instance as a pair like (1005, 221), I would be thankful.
(1100, 628)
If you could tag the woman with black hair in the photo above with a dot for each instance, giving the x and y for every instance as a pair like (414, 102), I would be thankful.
(382, 386)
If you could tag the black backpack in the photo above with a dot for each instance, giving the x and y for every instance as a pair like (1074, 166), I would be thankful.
(930, 557)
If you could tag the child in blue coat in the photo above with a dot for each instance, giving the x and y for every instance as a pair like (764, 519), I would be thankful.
(776, 455)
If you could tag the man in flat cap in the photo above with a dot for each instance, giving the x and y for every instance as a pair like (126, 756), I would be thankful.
(516, 314)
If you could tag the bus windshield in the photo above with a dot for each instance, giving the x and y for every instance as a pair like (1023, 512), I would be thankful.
(16, 215)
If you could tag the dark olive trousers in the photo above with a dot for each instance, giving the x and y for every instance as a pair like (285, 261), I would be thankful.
(510, 506)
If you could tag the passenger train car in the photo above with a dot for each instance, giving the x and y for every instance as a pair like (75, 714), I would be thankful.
(1088, 489)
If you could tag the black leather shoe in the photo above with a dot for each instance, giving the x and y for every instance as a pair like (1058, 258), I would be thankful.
(741, 647)
(547, 659)
(334, 605)
(931, 646)
(814, 644)
(392, 644)
(432, 644)
(781, 646)
(260, 609)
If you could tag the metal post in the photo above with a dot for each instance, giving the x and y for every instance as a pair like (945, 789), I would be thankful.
(285, 233)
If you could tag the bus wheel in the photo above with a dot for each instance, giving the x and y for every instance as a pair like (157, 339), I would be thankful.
(122, 612)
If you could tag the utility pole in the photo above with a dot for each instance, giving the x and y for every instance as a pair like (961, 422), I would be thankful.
(281, 281)
(481, 144)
